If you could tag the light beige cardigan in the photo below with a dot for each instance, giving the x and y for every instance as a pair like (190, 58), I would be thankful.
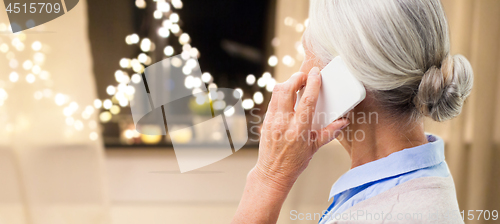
(422, 200)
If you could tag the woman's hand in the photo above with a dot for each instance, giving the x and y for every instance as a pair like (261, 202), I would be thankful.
(287, 144)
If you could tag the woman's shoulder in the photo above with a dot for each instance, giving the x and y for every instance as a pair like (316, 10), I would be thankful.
(421, 200)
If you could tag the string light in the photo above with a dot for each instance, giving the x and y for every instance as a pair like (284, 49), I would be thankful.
(188, 82)
(70, 121)
(250, 79)
(169, 50)
(67, 111)
(136, 78)
(212, 87)
(140, 4)
(175, 28)
(93, 136)
(4, 48)
(196, 91)
(247, 104)
(219, 105)
(289, 21)
(146, 45)
(125, 63)
(13, 77)
(176, 62)
(185, 55)
(3, 95)
(97, 103)
(258, 98)
(132, 39)
(174, 17)
(177, 4)
(114, 109)
(229, 111)
(191, 63)
(44, 75)
(273, 61)
(92, 124)
(30, 78)
(105, 116)
(13, 63)
(39, 58)
(143, 58)
(136, 66)
(238, 93)
(163, 6)
(129, 134)
(36, 46)
(201, 99)
(206, 77)
(299, 28)
(275, 42)
(123, 102)
(184, 38)
(288, 61)
(167, 23)
(186, 47)
(36, 69)
(89, 109)
(267, 76)
(163, 32)
(60, 99)
(107, 104)
(73, 106)
(194, 52)
(187, 70)
(78, 125)
(270, 85)
(85, 115)
(197, 82)
(157, 14)
(220, 95)
(111, 90)
(261, 82)
(27, 65)
(213, 94)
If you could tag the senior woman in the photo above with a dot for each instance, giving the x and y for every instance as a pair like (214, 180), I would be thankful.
(399, 50)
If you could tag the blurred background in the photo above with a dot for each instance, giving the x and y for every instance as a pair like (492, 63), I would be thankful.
(69, 152)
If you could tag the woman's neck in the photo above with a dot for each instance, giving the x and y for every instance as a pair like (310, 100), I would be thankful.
(371, 138)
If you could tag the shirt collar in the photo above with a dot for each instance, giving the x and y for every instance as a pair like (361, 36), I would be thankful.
(404, 161)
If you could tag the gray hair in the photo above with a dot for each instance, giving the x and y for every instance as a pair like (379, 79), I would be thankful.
(399, 49)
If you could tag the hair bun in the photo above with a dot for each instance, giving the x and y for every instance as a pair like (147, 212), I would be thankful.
(442, 91)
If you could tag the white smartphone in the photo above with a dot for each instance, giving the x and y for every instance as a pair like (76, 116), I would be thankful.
(340, 92)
